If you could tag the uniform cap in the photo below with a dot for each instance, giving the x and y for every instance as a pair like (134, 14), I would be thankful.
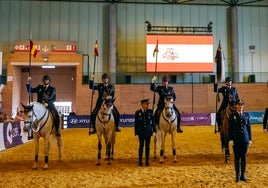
(145, 101)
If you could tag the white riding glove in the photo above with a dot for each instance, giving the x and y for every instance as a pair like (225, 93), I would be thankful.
(153, 79)
(29, 79)
(249, 143)
(154, 134)
(231, 142)
(92, 76)
(45, 104)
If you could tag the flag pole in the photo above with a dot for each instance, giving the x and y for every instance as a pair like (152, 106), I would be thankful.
(218, 60)
(30, 66)
(96, 54)
(155, 70)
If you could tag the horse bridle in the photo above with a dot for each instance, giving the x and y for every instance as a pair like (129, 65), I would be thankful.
(37, 121)
(104, 114)
(172, 112)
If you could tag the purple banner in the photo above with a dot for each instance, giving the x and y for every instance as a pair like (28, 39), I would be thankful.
(78, 121)
(128, 120)
(13, 134)
(196, 119)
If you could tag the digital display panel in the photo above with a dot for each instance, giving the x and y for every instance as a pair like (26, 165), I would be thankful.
(179, 53)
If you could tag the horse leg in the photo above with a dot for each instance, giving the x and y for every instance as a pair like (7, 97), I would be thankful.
(222, 142)
(99, 153)
(46, 152)
(108, 149)
(36, 140)
(154, 157)
(227, 152)
(162, 151)
(174, 148)
(59, 143)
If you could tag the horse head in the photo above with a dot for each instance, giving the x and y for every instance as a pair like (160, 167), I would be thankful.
(169, 102)
(109, 101)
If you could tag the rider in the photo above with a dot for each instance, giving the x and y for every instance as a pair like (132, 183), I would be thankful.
(104, 89)
(46, 95)
(163, 91)
(229, 93)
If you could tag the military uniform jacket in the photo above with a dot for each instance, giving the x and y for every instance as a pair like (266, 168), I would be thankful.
(228, 94)
(103, 90)
(144, 123)
(162, 92)
(44, 94)
(240, 128)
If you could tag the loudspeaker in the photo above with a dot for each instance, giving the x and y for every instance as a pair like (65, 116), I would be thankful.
(128, 79)
(173, 79)
(212, 78)
(251, 78)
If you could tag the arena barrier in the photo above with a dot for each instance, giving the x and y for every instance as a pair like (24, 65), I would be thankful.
(11, 135)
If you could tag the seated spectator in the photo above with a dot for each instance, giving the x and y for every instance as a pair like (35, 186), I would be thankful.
(19, 116)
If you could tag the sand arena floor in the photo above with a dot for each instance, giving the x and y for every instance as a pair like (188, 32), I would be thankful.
(200, 163)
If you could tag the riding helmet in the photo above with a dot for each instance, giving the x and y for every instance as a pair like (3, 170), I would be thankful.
(165, 79)
(227, 79)
(46, 77)
(105, 75)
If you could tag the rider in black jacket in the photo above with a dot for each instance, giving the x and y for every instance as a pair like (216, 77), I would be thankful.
(163, 91)
(104, 89)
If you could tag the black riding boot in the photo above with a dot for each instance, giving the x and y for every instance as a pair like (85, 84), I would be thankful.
(140, 158)
(179, 130)
(237, 170)
(243, 169)
(116, 119)
(56, 121)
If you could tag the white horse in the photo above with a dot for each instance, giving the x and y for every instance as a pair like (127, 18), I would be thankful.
(41, 121)
(105, 127)
(167, 124)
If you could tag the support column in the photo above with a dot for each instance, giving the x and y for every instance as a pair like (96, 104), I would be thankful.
(234, 46)
(112, 41)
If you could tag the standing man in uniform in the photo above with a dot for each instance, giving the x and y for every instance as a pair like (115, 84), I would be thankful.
(229, 93)
(163, 91)
(105, 89)
(240, 134)
(265, 118)
(46, 95)
(144, 129)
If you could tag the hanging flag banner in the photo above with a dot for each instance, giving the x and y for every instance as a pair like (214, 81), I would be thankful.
(180, 53)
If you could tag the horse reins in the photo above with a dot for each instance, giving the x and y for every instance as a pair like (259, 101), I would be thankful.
(38, 121)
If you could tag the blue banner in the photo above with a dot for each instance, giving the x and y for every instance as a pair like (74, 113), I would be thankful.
(83, 121)
(256, 117)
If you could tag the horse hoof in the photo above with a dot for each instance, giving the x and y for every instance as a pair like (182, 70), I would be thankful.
(109, 163)
(34, 168)
(175, 161)
(154, 157)
(45, 168)
(165, 157)
(112, 158)
(161, 162)
(98, 164)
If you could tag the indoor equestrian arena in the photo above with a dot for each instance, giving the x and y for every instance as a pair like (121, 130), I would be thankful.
(200, 162)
